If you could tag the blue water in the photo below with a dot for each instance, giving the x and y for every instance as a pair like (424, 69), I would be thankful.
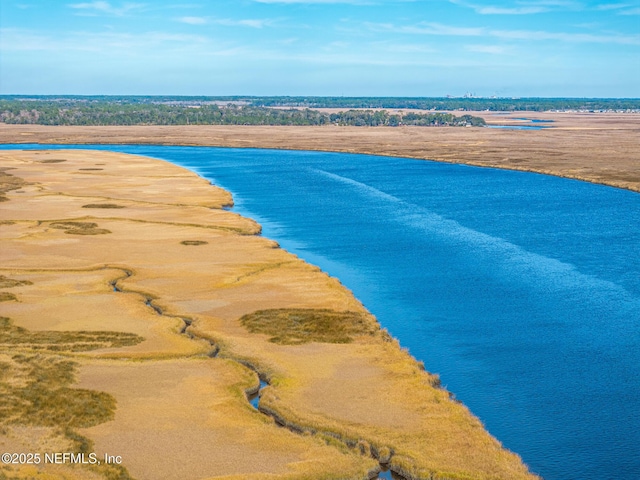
(517, 127)
(521, 290)
(254, 399)
(535, 120)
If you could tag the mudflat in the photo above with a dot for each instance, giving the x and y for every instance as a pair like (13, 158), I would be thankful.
(137, 315)
(595, 147)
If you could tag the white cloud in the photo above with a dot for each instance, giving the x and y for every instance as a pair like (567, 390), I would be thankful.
(426, 28)
(405, 48)
(107, 43)
(620, 8)
(309, 2)
(101, 7)
(228, 22)
(526, 9)
(509, 11)
(288, 41)
(490, 49)
(612, 6)
(193, 20)
(253, 23)
(618, 38)
(553, 3)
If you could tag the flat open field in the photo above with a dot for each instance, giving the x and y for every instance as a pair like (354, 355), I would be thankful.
(136, 315)
(596, 147)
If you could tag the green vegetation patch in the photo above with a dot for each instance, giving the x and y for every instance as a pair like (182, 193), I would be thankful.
(91, 169)
(69, 341)
(102, 205)
(132, 111)
(80, 228)
(194, 242)
(293, 326)
(53, 160)
(6, 282)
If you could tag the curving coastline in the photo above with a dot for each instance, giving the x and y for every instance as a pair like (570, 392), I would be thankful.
(594, 147)
(353, 401)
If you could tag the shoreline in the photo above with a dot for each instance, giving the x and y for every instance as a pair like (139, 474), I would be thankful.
(142, 261)
(597, 148)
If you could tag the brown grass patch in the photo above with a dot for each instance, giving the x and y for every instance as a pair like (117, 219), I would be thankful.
(35, 388)
(71, 341)
(6, 282)
(102, 205)
(7, 297)
(293, 326)
(8, 182)
(53, 160)
(35, 392)
(39, 394)
(80, 228)
(194, 242)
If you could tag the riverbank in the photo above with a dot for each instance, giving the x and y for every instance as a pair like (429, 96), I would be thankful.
(594, 147)
(141, 313)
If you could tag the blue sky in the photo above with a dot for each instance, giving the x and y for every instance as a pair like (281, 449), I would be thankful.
(321, 47)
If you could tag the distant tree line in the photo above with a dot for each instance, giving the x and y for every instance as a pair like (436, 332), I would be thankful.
(348, 103)
(464, 104)
(99, 112)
